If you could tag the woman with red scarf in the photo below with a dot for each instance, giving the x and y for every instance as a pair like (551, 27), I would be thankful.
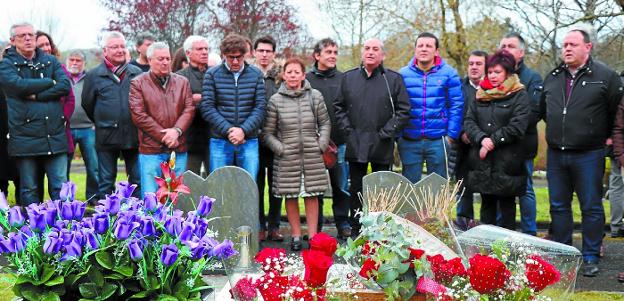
(495, 124)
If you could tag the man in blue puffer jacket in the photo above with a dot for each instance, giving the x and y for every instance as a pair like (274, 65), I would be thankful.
(436, 100)
(233, 103)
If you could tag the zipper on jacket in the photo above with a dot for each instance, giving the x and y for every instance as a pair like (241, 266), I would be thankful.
(566, 102)
(236, 98)
(423, 121)
(301, 148)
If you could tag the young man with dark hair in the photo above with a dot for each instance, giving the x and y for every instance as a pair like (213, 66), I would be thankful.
(436, 114)
(144, 41)
(326, 78)
(264, 59)
(233, 103)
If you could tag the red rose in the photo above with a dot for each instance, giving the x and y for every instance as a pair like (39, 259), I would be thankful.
(325, 243)
(444, 270)
(272, 288)
(415, 254)
(317, 264)
(370, 248)
(540, 273)
(244, 290)
(487, 274)
(368, 267)
(272, 260)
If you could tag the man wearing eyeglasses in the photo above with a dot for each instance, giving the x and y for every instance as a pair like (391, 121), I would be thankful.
(105, 100)
(33, 83)
(233, 103)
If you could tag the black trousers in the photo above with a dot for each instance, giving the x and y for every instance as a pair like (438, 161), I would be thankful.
(356, 172)
(265, 178)
(507, 205)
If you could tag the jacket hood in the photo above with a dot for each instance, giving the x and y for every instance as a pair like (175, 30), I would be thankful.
(294, 93)
(437, 63)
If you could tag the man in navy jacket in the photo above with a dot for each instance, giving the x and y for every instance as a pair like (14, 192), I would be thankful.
(233, 103)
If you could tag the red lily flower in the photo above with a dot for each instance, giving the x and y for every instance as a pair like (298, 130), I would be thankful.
(169, 185)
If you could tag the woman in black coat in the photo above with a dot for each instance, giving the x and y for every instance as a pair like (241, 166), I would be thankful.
(495, 124)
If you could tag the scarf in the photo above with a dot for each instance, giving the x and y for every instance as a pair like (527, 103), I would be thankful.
(119, 72)
(487, 92)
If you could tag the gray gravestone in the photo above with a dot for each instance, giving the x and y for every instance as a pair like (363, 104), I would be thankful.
(390, 180)
(236, 203)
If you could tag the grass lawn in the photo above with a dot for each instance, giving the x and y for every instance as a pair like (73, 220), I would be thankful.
(543, 215)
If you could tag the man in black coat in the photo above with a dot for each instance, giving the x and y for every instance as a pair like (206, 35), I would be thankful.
(326, 78)
(532, 81)
(371, 110)
(264, 58)
(578, 103)
(196, 49)
(105, 100)
(470, 84)
(33, 83)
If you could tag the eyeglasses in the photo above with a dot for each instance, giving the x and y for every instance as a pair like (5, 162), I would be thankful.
(232, 58)
(23, 35)
(264, 51)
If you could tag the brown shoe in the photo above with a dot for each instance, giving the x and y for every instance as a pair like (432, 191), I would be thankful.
(275, 235)
(262, 235)
(620, 277)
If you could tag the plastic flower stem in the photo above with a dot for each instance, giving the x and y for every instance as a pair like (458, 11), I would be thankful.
(3, 220)
(170, 269)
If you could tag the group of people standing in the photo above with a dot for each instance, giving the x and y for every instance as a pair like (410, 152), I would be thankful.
(275, 120)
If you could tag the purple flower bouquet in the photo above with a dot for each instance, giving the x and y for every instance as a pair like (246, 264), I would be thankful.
(127, 249)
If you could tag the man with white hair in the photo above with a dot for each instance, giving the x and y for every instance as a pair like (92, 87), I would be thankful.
(162, 108)
(372, 107)
(105, 100)
(34, 83)
(196, 49)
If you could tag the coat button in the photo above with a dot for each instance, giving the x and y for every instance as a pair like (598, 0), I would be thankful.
(489, 124)
(49, 153)
(27, 120)
(503, 139)
(46, 117)
(48, 136)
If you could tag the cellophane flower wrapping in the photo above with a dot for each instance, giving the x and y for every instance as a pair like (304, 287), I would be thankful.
(548, 268)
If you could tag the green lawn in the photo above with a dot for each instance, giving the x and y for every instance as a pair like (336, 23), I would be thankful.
(543, 215)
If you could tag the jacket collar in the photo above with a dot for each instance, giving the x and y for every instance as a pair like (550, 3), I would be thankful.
(294, 93)
(437, 62)
(377, 70)
(563, 68)
(19, 60)
(323, 73)
(102, 70)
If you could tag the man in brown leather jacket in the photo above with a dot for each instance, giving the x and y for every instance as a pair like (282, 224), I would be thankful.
(162, 108)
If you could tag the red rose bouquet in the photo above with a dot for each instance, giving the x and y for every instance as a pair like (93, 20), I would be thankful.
(276, 285)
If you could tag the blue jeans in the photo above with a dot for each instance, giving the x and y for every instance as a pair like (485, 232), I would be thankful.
(580, 172)
(150, 168)
(54, 166)
(85, 138)
(107, 167)
(528, 204)
(344, 165)
(416, 152)
(245, 156)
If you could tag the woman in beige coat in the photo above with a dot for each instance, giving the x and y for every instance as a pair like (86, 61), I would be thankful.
(297, 129)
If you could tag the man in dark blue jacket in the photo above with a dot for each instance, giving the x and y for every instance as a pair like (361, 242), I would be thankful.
(34, 82)
(105, 100)
(514, 43)
(437, 103)
(233, 103)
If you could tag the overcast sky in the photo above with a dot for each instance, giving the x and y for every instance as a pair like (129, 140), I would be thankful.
(77, 23)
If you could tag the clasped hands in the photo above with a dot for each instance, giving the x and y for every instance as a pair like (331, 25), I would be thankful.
(236, 135)
(487, 145)
(170, 139)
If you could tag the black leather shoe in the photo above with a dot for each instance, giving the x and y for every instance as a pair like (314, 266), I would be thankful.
(590, 268)
(345, 232)
(296, 244)
(618, 233)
